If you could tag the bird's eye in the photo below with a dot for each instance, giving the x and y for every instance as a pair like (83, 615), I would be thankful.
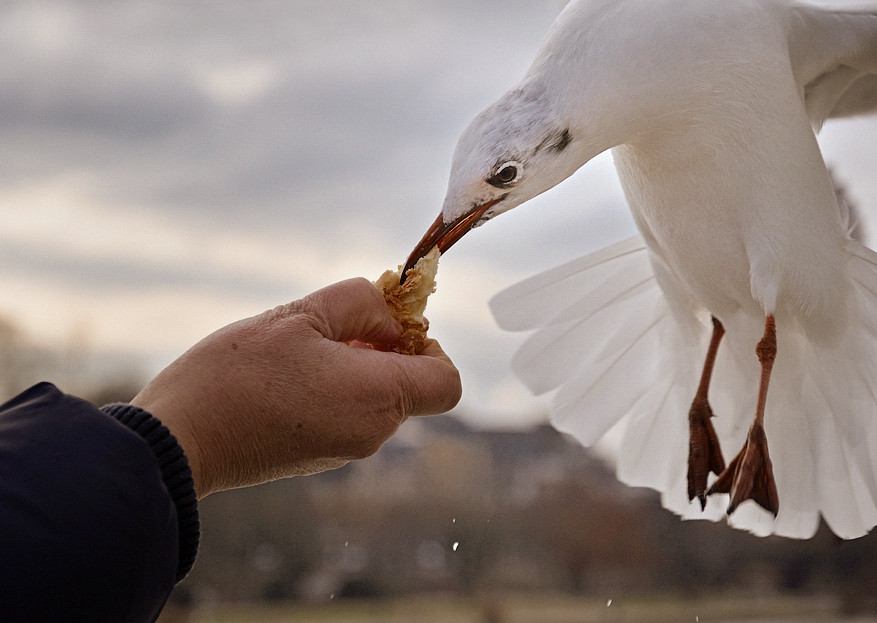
(506, 175)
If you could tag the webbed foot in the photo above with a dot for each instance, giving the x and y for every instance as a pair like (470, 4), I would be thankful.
(750, 475)
(704, 452)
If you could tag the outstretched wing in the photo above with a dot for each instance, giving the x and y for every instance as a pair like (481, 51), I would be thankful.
(608, 342)
(834, 56)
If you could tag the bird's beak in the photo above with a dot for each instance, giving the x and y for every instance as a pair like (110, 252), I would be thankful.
(444, 235)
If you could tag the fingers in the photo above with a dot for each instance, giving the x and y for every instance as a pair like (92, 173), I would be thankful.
(430, 381)
(351, 310)
(354, 311)
(431, 348)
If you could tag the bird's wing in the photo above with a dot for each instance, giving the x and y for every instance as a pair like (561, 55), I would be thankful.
(602, 327)
(859, 99)
(834, 57)
(547, 298)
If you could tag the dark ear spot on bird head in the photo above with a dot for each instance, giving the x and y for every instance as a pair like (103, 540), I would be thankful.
(556, 142)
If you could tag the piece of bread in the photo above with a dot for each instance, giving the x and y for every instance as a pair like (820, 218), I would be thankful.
(408, 301)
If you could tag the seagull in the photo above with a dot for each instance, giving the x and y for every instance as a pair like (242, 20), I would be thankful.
(743, 317)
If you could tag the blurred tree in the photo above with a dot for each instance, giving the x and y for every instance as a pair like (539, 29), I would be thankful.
(22, 363)
(601, 542)
(122, 389)
(9, 359)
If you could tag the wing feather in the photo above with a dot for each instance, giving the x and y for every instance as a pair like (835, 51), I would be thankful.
(530, 303)
(834, 56)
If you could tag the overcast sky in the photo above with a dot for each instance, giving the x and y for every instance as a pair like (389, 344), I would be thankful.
(169, 167)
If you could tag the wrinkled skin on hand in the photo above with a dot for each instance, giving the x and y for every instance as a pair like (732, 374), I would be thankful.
(297, 390)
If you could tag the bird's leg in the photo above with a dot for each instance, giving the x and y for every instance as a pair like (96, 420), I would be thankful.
(750, 474)
(704, 453)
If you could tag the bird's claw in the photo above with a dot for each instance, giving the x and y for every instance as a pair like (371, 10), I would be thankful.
(750, 475)
(704, 452)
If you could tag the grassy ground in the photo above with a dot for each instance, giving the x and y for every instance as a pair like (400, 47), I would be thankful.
(526, 609)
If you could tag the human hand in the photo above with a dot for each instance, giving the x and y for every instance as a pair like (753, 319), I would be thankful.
(296, 390)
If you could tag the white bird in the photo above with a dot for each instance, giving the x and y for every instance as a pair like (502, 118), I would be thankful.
(710, 108)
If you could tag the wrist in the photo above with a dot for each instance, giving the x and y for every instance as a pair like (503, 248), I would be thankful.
(166, 411)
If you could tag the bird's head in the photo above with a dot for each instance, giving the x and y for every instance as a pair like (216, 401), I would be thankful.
(512, 151)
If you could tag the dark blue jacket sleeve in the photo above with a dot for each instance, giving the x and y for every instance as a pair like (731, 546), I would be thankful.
(98, 518)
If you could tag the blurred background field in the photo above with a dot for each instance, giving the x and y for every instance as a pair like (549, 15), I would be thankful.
(535, 609)
(447, 523)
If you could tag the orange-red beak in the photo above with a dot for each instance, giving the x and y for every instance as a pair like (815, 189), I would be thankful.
(444, 235)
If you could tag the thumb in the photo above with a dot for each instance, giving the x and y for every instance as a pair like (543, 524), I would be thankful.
(353, 309)
(431, 381)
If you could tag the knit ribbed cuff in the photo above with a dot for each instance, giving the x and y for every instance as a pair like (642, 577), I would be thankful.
(174, 471)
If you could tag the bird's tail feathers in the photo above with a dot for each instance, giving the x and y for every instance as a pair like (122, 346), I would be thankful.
(616, 353)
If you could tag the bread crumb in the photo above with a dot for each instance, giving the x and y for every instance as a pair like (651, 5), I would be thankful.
(408, 301)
